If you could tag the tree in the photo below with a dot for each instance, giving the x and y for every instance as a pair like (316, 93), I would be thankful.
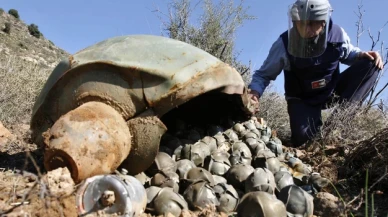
(215, 33)
(375, 93)
(34, 30)
(14, 13)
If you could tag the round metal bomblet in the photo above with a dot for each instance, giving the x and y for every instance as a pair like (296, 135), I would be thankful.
(115, 194)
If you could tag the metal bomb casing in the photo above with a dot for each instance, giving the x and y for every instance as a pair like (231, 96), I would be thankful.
(139, 78)
(90, 140)
(128, 196)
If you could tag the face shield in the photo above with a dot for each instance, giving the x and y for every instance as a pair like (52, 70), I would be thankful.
(308, 27)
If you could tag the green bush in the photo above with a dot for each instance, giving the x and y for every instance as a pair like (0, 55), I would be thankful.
(1, 10)
(7, 28)
(14, 13)
(34, 30)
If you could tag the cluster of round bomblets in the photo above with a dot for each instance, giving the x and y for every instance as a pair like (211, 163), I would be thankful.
(242, 169)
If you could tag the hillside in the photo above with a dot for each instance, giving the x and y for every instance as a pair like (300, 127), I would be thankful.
(19, 42)
(26, 59)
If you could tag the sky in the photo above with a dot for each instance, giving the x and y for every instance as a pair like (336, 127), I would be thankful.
(73, 25)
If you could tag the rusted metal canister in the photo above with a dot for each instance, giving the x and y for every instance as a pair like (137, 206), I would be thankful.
(119, 194)
(141, 77)
(92, 139)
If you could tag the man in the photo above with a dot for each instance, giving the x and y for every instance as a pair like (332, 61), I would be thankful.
(310, 53)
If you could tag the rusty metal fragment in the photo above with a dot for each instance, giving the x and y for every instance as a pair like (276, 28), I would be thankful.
(90, 140)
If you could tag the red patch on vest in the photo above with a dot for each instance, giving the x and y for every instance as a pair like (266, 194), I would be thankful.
(318, 84)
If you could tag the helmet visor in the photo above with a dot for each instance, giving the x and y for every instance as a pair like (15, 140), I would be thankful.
(308, 28)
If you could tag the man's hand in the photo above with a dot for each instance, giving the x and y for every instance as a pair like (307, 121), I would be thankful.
(254, 97)
(374, 56)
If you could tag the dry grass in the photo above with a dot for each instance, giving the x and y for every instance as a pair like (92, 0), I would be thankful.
(20, 83)
(273, 109)
(343, 124)
(350, 123)
(367, 165)
(371, 154)
(13, 189)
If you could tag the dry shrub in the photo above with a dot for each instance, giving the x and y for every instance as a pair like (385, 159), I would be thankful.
(273, 109)
(20, 83)
(215, 32)
(349, 123)
(370, 154)
(345, 123)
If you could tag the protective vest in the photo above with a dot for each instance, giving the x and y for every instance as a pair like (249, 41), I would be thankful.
(314, 79)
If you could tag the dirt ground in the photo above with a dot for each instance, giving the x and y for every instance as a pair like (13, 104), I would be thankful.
(26, 194)
(348, 184)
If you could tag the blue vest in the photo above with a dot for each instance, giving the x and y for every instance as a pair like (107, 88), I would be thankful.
(314, 79)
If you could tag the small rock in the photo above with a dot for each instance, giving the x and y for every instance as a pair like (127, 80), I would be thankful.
(5, 135)
(326, 204)
(59, 182)
(300, 153)
(143, 178)
(168, 215)
(187, 213)
(108, 198)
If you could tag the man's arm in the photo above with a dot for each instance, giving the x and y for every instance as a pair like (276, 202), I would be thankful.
(271, 68)
(352, 53)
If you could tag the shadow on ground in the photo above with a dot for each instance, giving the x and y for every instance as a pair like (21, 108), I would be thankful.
(28, 161)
